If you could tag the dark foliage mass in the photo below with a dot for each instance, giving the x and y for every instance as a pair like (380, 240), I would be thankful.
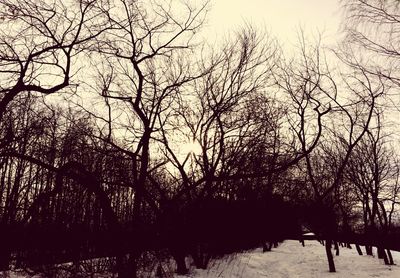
(125, 142)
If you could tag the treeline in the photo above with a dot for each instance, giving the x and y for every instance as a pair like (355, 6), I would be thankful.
(123, 137)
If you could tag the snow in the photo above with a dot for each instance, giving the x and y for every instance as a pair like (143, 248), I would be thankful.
(291, 260)
(309, 234)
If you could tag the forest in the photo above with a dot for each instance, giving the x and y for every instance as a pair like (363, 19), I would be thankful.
(126, 139)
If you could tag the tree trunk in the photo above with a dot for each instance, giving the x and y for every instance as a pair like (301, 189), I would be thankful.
(391, 262)
(126, 267)
(336, 248)
(5, 251)
(5, 257)
(160, 272)
(359, 250)
(382, 255)
(181, 268)
(267, 246)
(368, 250)
(201, 257)
(328, 246)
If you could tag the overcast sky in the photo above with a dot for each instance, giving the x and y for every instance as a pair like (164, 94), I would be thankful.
(281, 17)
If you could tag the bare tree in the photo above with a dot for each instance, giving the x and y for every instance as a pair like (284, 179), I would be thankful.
(372, 30)
(313, 87)
(143, 70)
(373, 173)
(235, 120)
(40, 39)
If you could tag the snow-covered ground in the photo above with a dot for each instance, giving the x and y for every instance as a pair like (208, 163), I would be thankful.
(291, 260)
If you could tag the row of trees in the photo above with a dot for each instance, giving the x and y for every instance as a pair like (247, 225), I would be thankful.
(98, 98)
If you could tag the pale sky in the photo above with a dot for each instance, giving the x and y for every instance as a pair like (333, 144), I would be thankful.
(282, 18)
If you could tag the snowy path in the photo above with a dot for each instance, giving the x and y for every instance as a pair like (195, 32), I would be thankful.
(291, 260)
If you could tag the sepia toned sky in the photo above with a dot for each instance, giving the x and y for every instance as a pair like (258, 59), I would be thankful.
(282, 18)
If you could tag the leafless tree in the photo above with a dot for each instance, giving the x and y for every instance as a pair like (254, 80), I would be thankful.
(235, 117)
(144, 69)
(373, 172)
(41, 42)
(371, 42)
(313, 87)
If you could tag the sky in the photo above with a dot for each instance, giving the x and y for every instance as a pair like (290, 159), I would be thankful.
(282, 18)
